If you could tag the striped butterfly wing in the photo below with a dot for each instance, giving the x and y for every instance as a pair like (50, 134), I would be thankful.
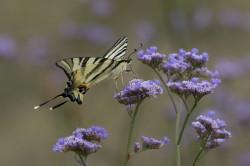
(72, 64)
(93, 74)
(118, 50)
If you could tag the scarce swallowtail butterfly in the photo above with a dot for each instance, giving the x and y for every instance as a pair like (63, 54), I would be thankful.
(85, 72)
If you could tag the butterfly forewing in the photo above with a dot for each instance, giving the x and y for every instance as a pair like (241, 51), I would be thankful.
(118, 50)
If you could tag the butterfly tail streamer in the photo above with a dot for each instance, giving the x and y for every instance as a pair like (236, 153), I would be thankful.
(36, 107)
(58, 105)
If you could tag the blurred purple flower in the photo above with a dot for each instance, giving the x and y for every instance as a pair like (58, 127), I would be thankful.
(38, 48)
(243, 159)
(70, 30)
(144, 30)
(246, 63)
(96, 34)
(230, 69)
(101, 8)
(88, 31)
(179, 22)
(202, 18)
(234, 19)
(242, 112)
(8, 47)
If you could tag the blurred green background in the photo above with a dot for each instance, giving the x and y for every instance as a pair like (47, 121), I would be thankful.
(35, 34)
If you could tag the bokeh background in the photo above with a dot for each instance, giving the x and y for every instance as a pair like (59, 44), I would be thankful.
(35, 34)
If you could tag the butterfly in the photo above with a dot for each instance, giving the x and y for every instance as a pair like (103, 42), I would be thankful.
(85, 72)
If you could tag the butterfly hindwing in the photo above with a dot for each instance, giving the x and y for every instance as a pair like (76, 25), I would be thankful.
(118, 50)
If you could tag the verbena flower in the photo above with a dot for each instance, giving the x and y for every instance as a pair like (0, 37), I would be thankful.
(193, 87)
(151, 57)
(211, 132)
(80, 141)
(138, 90)
(149, 143)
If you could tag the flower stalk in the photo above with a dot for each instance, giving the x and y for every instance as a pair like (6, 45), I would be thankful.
(131, 128)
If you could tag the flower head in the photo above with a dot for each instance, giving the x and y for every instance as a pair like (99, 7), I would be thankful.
(193, 87)
(151, 57)
(211, 132)
(73, 143)
(94, 133)
(80, 143)
(149, 143)
(137, 147)
(137, 91)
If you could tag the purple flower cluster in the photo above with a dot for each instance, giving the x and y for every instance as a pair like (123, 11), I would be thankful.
(137, 91)
(149, 143)
(94, 133)
(76, 144)
(193, 87)
(79, 141)
(211, 132)
(185, 65)
(151, 57)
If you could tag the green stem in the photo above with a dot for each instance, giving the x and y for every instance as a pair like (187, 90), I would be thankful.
(170, 95)
(83, 160)
(177, 126)
(184, 102)
(200, 154)
(132, 123)
(197, 157)
(185, 122)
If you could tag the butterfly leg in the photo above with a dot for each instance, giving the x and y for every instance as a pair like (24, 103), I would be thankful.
(131, 71)
(115, 81)
(122, 79)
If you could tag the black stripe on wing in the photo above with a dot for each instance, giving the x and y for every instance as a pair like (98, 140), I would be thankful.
(118, 50)
(72, 64)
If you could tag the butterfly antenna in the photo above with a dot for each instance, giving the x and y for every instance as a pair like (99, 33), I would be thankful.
(36, 107)
(58, 105)
(135, 50)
